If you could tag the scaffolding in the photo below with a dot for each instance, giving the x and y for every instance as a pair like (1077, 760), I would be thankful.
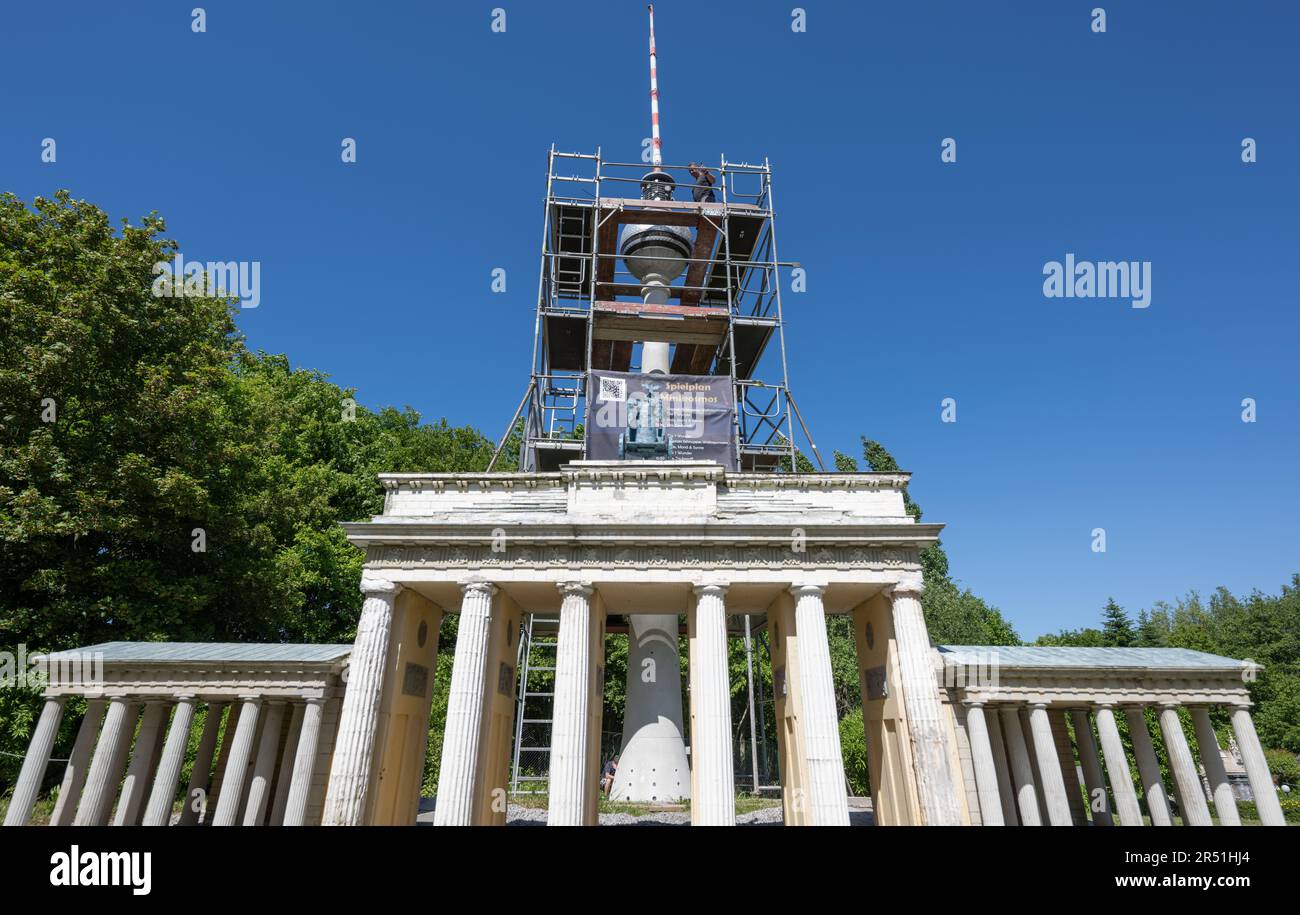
(723, 316)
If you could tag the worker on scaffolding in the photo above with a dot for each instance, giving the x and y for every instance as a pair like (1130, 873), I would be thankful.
(702, 191)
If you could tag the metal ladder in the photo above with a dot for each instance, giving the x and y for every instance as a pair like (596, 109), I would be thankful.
(534, 718)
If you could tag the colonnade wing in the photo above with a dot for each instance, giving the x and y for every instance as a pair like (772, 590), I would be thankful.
(1060, 751)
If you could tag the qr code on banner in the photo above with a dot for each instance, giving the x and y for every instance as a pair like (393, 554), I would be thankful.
(612, 389)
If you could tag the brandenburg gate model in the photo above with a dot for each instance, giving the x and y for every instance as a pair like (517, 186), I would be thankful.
(659, 488)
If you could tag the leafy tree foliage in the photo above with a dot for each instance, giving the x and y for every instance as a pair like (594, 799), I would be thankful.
(158, 481)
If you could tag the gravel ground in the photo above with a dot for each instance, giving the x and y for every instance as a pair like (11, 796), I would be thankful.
(768, 816)
(517, 815)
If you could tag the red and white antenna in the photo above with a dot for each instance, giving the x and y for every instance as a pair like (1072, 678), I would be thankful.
(656, 151)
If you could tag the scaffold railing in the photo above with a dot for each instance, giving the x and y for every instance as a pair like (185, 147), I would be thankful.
(723, 315)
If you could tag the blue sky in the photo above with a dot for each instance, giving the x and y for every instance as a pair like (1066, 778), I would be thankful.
(924, 278)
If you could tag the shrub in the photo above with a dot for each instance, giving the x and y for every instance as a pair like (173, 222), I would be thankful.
(853, 744)
(1282, 764)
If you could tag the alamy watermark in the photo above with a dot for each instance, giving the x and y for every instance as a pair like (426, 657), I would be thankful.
(972, 668)
(20, 669)
(179, 278)
(1100, 280)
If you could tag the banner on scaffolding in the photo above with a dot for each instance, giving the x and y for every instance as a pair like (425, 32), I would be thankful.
(631, 416)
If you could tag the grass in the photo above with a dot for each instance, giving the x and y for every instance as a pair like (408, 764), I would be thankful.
(41, 813)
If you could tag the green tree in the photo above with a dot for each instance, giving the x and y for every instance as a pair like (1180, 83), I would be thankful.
(158, 481)
(1116, 627)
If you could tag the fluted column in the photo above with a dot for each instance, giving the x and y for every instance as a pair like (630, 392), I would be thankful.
(159, 810)
(213, 797)
(108, 763)
(304, 763)
(1190, 793)
(936, 783)
(1153, 788)
(1094, 781)
(463, 733)
(35, 763)
(1256, 765)
(714, 778)
(1002, 766)
(1225, 805)
(202, 771)
(135, 787)
(259, 789)
(986, 777)
(74, 776)
(1049, 767)
(354, 747)
(827, 793)
(570, 779)
(1022, 771)
(241, 750)
(1121, 782)
(285, 769)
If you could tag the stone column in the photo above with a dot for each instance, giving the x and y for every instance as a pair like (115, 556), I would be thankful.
(354, 747)
(1121, 782)
(1190, 793)
(457, 780)
(259, 790)
(202, 771)
(1049, 767)
(213, 796)
(827, 792)
(1006, 788)
(1069, 771)
(711, 759)
(1094, 781)
(159, 810)
(570, 782)
(285, 771)
(232, 782)
(986, 777)
(936, 783)
(1252, 758)
(136, 786)
(1021, 769)
(74, 776)
(35, 763)
(304, 763)
(1225, 805)
(106, 767)
(1145, 754)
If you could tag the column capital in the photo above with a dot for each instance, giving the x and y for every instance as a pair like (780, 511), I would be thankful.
(908, 587)
(372, 584)
(251, 697)
(974, 703)
(477, 586)
(575, 587)
(1168, 704)
(1038, 703)
(711, 588)
(807, 590)
(185, 697)
(1239, 705)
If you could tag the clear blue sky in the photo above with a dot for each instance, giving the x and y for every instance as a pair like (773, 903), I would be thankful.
(924, 279)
